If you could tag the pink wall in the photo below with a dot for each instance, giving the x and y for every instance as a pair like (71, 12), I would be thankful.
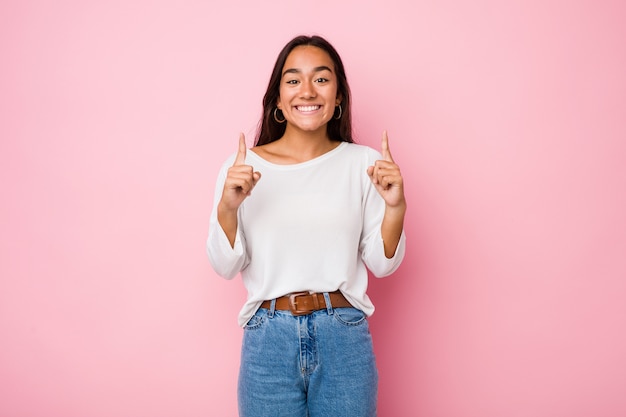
(509, 122)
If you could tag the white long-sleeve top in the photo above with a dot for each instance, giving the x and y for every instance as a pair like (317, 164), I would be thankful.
(312, 226)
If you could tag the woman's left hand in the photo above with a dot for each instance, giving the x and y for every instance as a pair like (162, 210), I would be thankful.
(386, 177)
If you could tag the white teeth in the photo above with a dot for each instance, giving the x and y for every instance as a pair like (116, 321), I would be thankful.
(308, 108)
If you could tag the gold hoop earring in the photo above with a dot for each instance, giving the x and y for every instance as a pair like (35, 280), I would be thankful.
(276, 118)
(340, 113)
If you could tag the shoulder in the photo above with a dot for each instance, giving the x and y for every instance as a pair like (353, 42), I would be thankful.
(363, 152)
(230, 160)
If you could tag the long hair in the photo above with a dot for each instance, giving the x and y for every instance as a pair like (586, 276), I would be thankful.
(338, 129)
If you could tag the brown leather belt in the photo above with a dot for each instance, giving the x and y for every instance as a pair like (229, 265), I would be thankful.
(301, 303)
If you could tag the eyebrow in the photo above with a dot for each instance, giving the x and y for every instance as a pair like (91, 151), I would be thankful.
(298, 71)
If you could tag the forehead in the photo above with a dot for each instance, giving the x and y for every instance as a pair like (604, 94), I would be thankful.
(308, 57)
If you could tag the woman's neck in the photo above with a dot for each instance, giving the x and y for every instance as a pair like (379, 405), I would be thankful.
(297, 146)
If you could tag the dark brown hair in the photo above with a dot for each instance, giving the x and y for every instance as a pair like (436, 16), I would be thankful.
(338, 129)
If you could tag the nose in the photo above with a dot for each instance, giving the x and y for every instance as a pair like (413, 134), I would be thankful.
(307, 90)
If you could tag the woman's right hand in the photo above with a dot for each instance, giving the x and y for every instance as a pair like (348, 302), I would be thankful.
(240, 180)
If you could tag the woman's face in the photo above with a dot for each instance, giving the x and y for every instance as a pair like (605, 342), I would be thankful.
(308, 89)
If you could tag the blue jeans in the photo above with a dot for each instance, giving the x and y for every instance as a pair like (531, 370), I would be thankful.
(317, 365)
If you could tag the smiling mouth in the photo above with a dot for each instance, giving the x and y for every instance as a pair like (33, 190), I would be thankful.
(307, 108)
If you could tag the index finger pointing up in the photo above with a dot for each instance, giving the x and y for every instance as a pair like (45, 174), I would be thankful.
(385, 148)
(241, 152)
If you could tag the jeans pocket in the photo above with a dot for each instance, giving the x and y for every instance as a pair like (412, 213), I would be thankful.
(255, 321)
(350, 316)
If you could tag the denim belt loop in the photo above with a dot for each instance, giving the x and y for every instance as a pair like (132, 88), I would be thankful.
(329, 305)
(272, 308)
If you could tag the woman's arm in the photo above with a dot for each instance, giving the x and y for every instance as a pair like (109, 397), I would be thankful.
(387, 178)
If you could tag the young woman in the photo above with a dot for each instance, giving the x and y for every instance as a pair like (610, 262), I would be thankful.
(303, 215)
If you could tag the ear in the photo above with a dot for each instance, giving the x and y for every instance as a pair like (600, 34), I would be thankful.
(338, 100)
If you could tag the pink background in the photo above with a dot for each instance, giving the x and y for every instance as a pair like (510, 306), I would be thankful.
(507, 118)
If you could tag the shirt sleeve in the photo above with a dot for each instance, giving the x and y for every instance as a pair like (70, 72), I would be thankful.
(227, 261)
(371, 245)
